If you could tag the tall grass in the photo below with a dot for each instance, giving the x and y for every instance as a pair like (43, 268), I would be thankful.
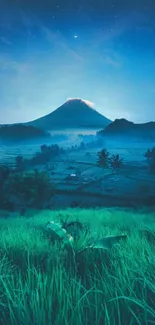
(40, 285)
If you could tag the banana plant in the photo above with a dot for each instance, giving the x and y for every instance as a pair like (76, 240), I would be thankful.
(74, 228)
(106, 242)
(59, 232)
(102, 243)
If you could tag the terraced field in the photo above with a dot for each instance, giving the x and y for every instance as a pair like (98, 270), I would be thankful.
(133, 179)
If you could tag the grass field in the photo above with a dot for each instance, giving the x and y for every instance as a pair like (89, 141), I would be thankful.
(40, 284)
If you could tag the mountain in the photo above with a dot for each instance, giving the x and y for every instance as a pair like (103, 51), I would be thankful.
(19, 133)
(75, 113)
(122, 128)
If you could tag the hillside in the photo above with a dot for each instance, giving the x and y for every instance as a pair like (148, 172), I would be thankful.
(75, 113)
(20, 133)
(123, 128)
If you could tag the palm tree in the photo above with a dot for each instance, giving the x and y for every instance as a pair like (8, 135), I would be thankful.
(103, 158)
(150, 153)
(116, 162)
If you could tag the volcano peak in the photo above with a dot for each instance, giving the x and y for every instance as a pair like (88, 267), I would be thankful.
(74, 113)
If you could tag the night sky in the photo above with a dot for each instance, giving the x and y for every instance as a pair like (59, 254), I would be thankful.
(99, 50)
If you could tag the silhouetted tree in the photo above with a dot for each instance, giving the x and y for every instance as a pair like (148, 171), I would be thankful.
(5, 171)
(150, 153)
(116, 162)
(29, 189)
(19, 162)
(103, 158)
(45, 155)
(43, 148)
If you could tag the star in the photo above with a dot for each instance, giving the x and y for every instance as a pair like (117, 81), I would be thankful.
(75, 36)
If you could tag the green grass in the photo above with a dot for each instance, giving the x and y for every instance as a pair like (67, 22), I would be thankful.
(40, 284)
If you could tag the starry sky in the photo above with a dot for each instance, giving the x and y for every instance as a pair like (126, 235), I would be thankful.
(100, 50)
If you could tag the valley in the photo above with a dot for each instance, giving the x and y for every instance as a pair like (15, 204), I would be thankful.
(82, 133)
(80, 182)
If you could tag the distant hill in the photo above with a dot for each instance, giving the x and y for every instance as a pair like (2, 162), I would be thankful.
(75, 113)
(18, 133)
(122, 128)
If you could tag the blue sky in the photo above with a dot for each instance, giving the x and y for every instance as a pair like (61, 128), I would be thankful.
(54, 50)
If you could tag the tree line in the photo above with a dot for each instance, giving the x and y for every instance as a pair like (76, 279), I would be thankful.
(43, 157)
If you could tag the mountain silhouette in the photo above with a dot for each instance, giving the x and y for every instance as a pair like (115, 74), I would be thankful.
(75, 113)
(21, 133)
(124, 128)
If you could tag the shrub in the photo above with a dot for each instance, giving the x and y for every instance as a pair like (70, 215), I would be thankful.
(30, 189)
